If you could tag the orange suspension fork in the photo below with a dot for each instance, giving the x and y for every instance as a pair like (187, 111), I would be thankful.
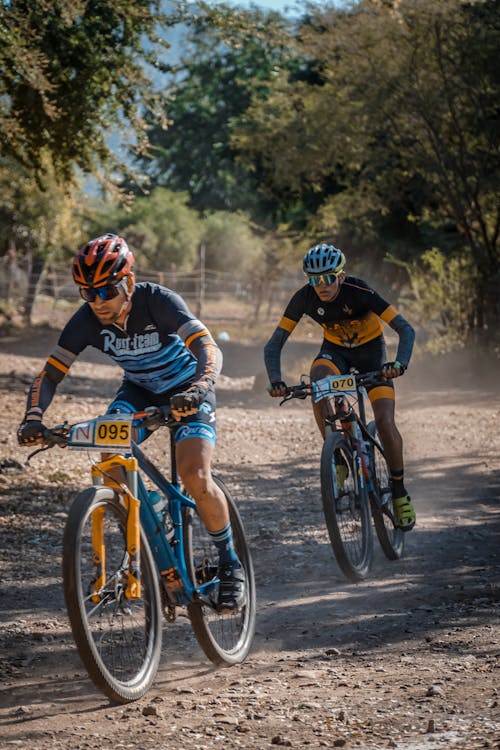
(109, 472)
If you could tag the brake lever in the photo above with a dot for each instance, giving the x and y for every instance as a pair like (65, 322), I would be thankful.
(38, 450)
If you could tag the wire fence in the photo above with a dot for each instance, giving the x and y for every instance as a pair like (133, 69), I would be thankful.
(211, 293)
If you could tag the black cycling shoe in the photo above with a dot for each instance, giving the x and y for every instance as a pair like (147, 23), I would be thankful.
(232, 587)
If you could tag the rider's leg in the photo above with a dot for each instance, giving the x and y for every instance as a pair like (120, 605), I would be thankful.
(194, 459)
(383, 409)
(322, 368)
(392, 442)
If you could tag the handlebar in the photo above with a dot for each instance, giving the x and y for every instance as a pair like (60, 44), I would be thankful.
(152, 417)
(303, 389)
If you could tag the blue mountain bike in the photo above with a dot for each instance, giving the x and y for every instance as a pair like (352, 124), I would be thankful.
(125, 563)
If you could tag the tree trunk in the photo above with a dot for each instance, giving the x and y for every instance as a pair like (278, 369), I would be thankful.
(37, 266)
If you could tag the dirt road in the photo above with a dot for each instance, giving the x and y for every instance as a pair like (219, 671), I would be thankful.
(408, 659)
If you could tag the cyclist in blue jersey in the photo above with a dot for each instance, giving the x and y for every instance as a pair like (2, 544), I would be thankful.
(351, 315)
(169, 359)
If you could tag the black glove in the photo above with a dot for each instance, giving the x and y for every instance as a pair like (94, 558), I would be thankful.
(186, 403)
(30, 432)
(389, 368)
(277, 389)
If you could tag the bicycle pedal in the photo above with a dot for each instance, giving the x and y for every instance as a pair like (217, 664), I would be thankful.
(170, 612)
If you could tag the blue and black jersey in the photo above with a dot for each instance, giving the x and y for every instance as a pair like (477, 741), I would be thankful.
(162, 346)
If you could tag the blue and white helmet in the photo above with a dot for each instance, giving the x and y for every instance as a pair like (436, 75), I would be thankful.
(324, 259)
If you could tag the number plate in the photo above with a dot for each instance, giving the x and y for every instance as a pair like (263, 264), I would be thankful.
(333, 384)
(109, 434)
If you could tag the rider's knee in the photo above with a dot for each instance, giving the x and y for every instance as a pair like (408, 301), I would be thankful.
(322, 368)
(385, 423)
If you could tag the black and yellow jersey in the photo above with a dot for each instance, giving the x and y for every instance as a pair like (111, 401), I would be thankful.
(352, 319)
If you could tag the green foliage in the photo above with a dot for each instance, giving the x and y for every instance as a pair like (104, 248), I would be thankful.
(69, 71)
(226, 61)
(443, 302)
(38, 217)
(230, 244)
(161, 229)
(393, 143)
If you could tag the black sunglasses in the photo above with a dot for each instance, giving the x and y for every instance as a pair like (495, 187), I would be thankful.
(105, 293)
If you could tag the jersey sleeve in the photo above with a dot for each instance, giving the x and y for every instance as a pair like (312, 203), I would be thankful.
(272, 351)
(390, 315)
(294, 310)
(200, 343)
(171, 311)
(71, 343)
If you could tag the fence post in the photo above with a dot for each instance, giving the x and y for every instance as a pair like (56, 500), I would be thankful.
(200, 282)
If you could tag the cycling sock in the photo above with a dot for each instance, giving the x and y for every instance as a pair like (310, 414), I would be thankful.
(223, 540)
(397, 483)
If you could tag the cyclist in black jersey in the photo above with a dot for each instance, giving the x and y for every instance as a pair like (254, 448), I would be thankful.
(169, 359)
(351, 315)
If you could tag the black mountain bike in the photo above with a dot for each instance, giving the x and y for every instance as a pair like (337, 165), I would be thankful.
(355, 477)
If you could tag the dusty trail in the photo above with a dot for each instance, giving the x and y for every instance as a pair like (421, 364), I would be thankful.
(408, 659)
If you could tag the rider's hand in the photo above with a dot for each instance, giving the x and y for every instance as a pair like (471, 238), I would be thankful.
(393, 370)
(30, 432)
(186, 403)
(277, 389)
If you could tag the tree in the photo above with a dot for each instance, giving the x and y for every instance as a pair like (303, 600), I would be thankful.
(231, 245)
(69, 71)
(397, 137)
(226, 60)
(161, 228)
(40, 218)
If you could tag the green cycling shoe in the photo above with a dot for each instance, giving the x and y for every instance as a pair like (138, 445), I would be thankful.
(404, 512)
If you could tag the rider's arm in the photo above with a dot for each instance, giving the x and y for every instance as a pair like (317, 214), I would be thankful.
(272, 354)
(397, 322)
(44, 386)
(208, 356)
(71, 343)
(272, 350)
(42, 391)
(406, 334)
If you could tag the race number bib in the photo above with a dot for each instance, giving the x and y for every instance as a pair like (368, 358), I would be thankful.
(333, 385)
(111, 433)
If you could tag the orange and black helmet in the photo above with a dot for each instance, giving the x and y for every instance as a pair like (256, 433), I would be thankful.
(105, 260)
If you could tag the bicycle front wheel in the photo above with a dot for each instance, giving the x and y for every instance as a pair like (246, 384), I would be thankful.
(345, 504)
(390, 537)
(225, 638)
(118, 639)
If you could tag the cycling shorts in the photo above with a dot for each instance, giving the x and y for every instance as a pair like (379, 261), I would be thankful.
(364, 358)
(131, 398)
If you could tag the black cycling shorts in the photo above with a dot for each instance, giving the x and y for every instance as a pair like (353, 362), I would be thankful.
(131, 398)
(364, 358)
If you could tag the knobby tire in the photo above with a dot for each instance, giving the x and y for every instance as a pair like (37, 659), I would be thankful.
(225, 638)
(118, 639)
(346, 510)
(390, 537)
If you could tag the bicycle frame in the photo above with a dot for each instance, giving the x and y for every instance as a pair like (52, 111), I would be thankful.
(168, 554)
(346, 419)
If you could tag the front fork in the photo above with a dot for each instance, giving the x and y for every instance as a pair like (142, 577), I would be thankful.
(120, 474)
(340, 407)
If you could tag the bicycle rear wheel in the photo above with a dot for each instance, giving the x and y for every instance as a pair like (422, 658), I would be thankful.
(225, 638)
(390, 537)
(118, 639)
(345, 504)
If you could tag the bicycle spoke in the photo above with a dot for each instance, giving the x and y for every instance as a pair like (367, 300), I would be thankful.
(346, 508)
(119, 639)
